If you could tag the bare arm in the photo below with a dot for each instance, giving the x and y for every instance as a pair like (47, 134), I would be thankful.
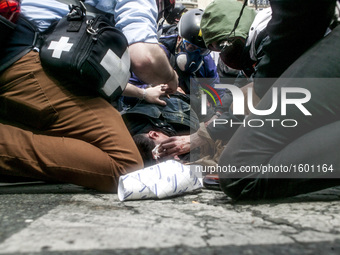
(150, 63)
(150, 95)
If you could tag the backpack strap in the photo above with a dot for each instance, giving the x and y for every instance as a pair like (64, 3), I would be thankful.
(238, 19)
(90, 10)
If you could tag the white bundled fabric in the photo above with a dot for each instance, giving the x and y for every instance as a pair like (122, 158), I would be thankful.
(166, 179)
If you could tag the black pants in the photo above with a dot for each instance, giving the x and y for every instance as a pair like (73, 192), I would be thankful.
(314, 141)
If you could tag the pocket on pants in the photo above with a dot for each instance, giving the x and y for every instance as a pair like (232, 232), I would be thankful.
(23, 100)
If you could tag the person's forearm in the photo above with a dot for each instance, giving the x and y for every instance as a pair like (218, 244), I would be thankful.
(134, 91)
(196, 141)
(150, 63)
(151, 95)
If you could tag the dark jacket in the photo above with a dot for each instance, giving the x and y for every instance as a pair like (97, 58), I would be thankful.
(175, 118)
(305, 23)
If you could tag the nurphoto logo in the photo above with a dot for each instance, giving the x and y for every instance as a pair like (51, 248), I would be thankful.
(239, 103)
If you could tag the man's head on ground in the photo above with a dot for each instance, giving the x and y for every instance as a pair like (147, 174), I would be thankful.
(221, 31)
(146, 142)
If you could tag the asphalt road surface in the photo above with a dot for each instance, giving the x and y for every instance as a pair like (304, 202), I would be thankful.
(65, 219)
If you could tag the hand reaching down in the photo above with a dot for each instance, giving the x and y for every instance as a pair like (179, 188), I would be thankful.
(174, 146)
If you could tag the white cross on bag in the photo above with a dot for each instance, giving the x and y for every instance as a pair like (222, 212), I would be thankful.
(119, 70)
(59, 47)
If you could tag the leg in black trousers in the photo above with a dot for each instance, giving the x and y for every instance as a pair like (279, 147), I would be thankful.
(315, 140)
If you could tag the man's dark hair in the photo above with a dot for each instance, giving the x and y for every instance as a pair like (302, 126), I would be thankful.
(145, 146)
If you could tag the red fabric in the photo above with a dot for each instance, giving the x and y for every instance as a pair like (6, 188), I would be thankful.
(10, 9)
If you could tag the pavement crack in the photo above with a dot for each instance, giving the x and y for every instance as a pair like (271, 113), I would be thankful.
(207, 236)
(280, 221)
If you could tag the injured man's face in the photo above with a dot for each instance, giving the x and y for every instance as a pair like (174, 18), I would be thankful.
(158, 137)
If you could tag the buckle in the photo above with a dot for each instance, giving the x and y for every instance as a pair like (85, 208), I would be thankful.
(76, 12)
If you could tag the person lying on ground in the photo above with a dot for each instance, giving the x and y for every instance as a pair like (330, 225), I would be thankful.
(150, 124)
